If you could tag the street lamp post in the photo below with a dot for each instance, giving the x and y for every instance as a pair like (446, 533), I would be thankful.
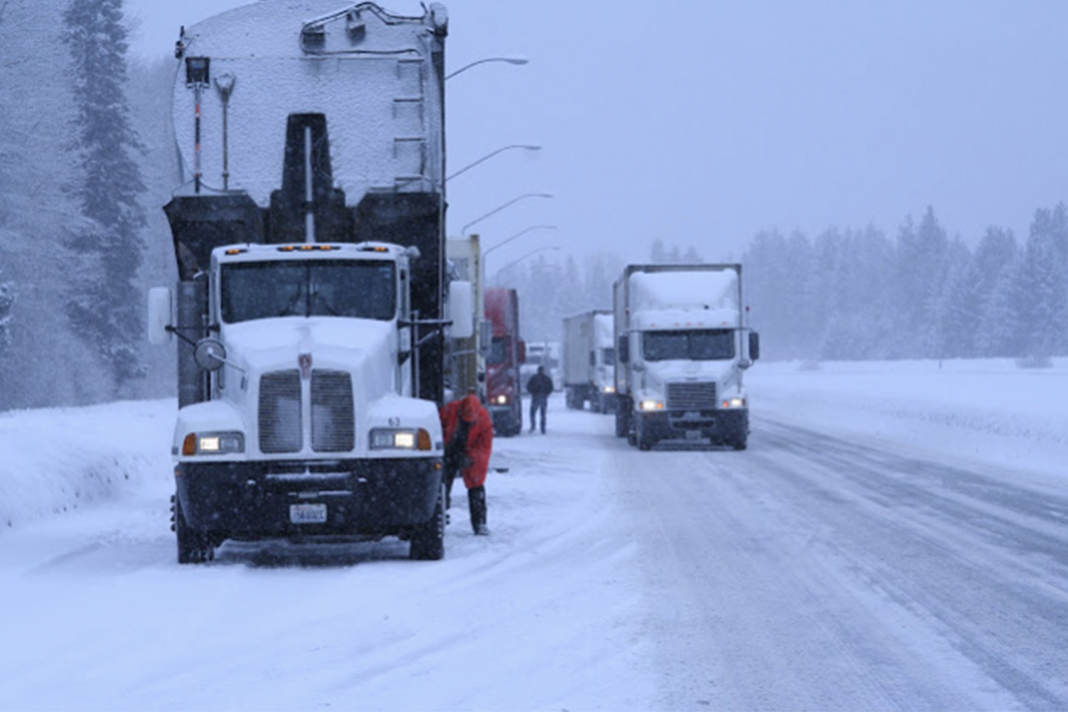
(513, 263)
(463, 231)
(504, 242)
(508, 60)
(525, 147)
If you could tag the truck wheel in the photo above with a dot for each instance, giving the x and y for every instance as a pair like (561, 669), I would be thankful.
(644, 441)
(740, 443)
(622, 427)
(428, 542)
(193, 547)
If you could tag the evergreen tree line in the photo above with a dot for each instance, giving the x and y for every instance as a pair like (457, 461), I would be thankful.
(82, 234)
(856, 294)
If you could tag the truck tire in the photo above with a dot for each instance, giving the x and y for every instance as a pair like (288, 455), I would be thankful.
(428, 541)
(643, 440)
(193, 547)
(622, 425)
(740, 442)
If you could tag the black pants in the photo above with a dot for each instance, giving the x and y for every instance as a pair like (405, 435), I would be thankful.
(450, 476)
(538, 403)
(476, 502)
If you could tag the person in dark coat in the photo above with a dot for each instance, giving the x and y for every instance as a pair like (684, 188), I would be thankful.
(539, 386)
(468, 430)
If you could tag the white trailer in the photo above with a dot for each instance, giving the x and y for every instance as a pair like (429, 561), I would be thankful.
(682, 349)
(589, 361)
(467, 356)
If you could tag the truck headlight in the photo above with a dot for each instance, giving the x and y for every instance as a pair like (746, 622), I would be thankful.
(501, 399)
(650, 405)
(405, 439)
(609, 389)
(213, 443)
(735, 402)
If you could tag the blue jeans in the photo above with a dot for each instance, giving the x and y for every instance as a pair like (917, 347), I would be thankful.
(538, 403)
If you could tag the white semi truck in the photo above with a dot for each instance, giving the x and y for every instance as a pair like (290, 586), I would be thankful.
(312, 305)
(590, 361)
(682, 347)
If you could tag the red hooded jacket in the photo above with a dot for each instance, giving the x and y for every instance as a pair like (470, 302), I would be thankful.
(479, 437)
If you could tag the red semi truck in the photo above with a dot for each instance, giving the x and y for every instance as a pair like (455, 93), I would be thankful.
(506, 352)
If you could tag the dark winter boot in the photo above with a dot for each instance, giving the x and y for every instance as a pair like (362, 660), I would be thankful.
(450, 476)
(476, 498)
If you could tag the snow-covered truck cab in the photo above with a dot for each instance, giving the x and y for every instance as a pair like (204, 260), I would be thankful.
(311, 427)
(682, 351)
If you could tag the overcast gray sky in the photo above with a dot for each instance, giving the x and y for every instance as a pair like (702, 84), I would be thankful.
(702, 122)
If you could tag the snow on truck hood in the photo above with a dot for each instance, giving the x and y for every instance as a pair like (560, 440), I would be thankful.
(265, 343)
(723, 372)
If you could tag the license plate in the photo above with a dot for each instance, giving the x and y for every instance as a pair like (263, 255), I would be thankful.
(307, 513)
(693, 435)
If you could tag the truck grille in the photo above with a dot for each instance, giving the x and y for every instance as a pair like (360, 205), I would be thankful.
(280, 422)
(691, 396)
(281, 417)
(332, 423)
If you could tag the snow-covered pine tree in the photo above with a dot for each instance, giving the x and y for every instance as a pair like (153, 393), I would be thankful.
(103, 303)
(921, 266)
(7, 300)
(766, 275)
(958, 309)
(1000, 333)
(1043, 307)
(994, 270)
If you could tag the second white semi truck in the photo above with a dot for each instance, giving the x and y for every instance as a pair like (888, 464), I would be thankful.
(682, 348)
(590, 361)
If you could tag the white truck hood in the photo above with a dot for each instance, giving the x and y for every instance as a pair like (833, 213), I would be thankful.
(657, 374)
(339, 343)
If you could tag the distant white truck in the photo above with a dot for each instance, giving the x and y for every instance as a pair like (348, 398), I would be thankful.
(590, 361)
(682, 348)
(546, 354)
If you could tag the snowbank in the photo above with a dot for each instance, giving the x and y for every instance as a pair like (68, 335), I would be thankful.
(56, 460)
(980, 410)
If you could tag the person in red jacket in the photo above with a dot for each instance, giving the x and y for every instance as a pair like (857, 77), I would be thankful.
(468, 431)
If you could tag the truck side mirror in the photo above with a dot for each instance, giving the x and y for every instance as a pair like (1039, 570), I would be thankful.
(754, 346)
(210, 354)
(159, 315)
(461, 310)
(624, 349)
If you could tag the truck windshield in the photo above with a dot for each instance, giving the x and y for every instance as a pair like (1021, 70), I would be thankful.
(696, 344)
(498, 351)
(320, 288)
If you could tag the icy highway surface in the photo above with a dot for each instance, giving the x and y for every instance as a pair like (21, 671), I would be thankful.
(870, 551)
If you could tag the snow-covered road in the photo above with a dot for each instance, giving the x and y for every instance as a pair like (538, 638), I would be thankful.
(871, 550)
(811, 573)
